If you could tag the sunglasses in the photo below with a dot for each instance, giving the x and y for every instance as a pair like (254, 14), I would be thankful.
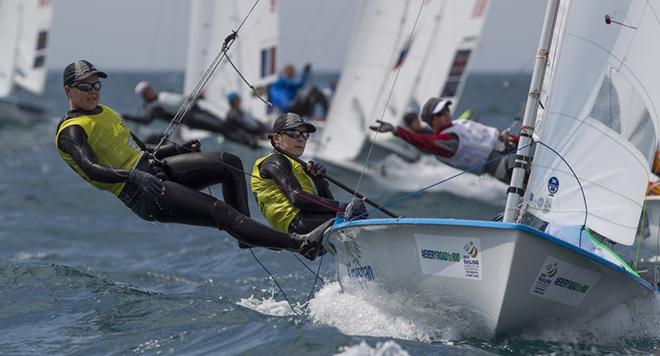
(296, 134)
(84, 86)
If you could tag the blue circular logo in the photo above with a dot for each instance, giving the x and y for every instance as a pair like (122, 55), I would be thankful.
(553, 185)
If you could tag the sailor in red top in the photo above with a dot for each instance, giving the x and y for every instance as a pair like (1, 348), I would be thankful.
(463, 144)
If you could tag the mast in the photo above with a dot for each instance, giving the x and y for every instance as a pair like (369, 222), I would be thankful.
(516, 190)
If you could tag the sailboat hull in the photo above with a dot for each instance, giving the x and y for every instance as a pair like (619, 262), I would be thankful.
(504, 278)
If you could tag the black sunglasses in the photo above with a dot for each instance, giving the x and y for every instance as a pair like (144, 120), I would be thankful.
(85, 86)
(296, 134)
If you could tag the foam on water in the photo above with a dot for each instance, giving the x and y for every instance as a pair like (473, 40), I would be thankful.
(637, 321)
(427, 171)
(355, 315)
(388, 348)
(269, 306)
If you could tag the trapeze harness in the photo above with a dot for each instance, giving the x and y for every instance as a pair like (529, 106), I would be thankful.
(289, 199)
(99, 147)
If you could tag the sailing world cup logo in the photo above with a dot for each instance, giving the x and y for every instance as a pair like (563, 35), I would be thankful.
(551, 270)
(553, 185)
(471, 249)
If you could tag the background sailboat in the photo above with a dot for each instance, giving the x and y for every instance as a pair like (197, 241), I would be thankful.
(254, 53)
(431, 62)
(24, 27)
(589, 175)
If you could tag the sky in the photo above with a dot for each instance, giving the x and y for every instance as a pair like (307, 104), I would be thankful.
(152, 34)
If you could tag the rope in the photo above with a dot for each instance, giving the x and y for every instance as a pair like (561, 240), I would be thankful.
(311, 292)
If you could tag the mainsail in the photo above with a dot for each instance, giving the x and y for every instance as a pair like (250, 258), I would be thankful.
(432, 62)
(601, 117)
(254, 52)
(24, 27)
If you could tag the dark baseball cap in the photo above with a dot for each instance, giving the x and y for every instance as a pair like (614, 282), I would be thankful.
(432, 107)
(290, 121)
(80, 70)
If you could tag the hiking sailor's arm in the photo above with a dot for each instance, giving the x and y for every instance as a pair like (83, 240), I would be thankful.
(443, 145)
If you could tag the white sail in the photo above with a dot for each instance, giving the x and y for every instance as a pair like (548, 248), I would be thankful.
(8, 40)
(432, 62)
(30, 70)
(254, 52)
(24, 27)
(600, 117)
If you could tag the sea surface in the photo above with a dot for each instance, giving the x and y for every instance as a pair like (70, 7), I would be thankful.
(81, 274)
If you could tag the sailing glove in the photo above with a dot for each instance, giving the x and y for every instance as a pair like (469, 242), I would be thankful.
(307, 68)
(149, 183)
(315, 168)
(383, 127)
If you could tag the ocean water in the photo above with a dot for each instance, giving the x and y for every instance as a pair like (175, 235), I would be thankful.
(80, 274)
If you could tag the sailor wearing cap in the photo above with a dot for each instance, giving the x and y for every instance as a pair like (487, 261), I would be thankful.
(293, 197)
(93, 140)
(464, 144)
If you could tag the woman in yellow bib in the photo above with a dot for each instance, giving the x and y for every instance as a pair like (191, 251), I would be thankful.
(291, 197)
(94, 141)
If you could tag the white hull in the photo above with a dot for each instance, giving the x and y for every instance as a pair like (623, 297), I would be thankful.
(14, 111)
(505, 278)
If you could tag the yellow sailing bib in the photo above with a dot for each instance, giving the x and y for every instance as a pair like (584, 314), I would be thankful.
(111, 142)
(274, 205)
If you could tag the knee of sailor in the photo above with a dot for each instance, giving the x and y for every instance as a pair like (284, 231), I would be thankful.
(232, 160)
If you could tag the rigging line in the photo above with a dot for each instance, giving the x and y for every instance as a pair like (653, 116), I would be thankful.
(254, 90)
(308, 198)
(272, 277)
(190, 100)
(316, 275)
(389, 96)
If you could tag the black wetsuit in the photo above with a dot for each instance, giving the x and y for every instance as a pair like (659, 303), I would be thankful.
(314, 209)
(181, 202)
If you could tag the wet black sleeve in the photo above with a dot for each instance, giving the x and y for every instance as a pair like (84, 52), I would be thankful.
(323, 187)
(278, 168)
(73, 141)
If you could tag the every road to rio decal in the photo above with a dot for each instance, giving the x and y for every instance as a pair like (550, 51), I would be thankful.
(454, 257)
(563, 282)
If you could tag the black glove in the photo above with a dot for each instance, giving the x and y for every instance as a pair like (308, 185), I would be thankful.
(149, 183)
(383, 127)
(315, 168)
(310, 245)
(307, 68)
(190, 146)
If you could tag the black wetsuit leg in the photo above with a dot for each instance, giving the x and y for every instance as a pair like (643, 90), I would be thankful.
(199, 170)
(182, 203)
(306, 221)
